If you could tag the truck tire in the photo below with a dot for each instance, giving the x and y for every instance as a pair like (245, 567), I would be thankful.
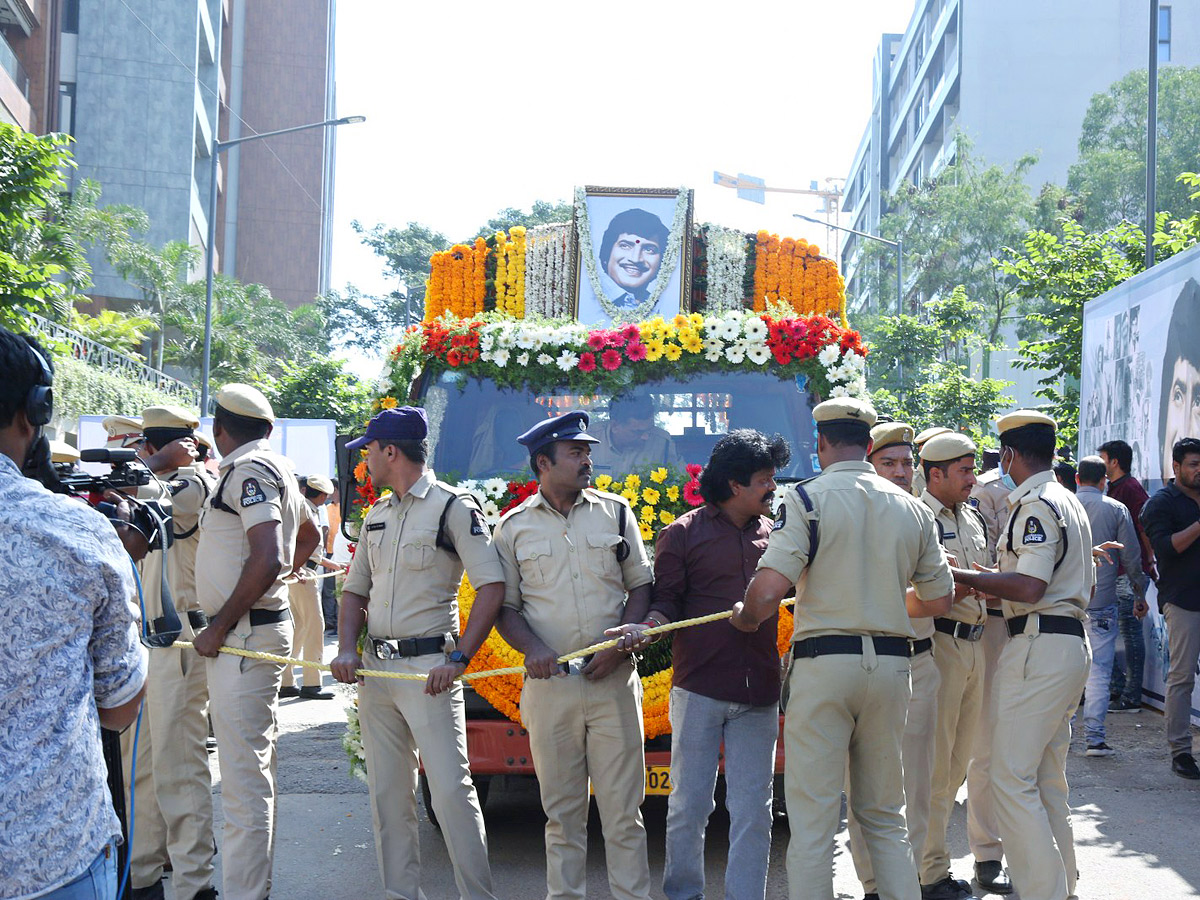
(482, 783)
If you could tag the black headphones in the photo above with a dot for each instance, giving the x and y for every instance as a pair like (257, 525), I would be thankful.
(39, 402)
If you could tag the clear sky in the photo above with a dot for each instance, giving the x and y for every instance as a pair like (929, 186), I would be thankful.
(472, 107)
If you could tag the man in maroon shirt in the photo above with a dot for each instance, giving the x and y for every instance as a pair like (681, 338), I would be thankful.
(1126, 684)
(726, 683)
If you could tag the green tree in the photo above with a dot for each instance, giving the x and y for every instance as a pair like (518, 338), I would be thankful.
(1062, 272)
(114, 329)
(320, 389)
(541, 213)
(953, 226)
(42, 266)
(1110, 176)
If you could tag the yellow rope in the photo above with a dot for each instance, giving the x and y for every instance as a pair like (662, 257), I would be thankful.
(490, 673)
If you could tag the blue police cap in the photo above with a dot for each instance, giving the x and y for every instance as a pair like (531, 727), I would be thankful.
(405, 423)
(571, 426)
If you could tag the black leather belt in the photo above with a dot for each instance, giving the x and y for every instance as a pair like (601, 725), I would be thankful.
(831, 644)
(1046, 625)
(960, 630)
(268, 616)
(198, 618)
(999, 613)
(403, 648)
(922, 646)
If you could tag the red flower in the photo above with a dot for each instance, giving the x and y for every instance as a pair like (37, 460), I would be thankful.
(635, 350)
(694, 470)
(616, 339)
(610, 359)
(782, 356)
(454, 357)
(597, 340)
(691, 493)
(631, 333)
(469, 355)
(587, 362)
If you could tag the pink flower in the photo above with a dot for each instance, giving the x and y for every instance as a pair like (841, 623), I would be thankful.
(694, 469)
(587, 362)
(631, 333)
(691, 493)
(616, 339)
(635, 350)
(597, 340)
(610, 359)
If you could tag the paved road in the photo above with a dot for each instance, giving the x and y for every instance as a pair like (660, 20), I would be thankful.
(1135, 824)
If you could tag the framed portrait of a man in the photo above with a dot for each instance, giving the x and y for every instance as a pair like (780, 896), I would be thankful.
(633, 253)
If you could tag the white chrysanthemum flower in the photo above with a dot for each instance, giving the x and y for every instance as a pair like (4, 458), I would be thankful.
(829, 355)
(735, 352)
(567, 360)
(854, 361)
(714, 355)
(758, 354)
(755, 328)
(500, 357)
(526, 338)
(729, 329)
(486, 342)
(469, 484)
(523, 359)
(491, 512)
(495, 487)
(839, 391)
(544, 359)
(713, 345)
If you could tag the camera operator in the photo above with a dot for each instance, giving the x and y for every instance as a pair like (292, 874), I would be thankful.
(173, 788)
(70, 659)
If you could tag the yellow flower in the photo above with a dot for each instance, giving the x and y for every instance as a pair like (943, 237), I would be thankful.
(659, 475)
(630, 494)
(647, 514)
(692, 343)
(603, 482)
(680, 321)
(687, 332)
(651, 496)
(646, 531)
(632, 481)
(696, 320)
(673, 493)
(673, 352)
(654, 349)
(388, 403)
(666, 517)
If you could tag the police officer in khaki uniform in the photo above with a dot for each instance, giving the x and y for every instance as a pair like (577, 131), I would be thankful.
(892, 458)
(1045, 580)
(918, 443)
(851, 543)
(304, 598)
(403, 582)
(948, 461)
(574, 566)
(174, 786)
(253, 533)
(990, 497)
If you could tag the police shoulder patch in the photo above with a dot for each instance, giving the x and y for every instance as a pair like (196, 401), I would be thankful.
(252, 493)
(1034, 532)
(780, 518)
(478, 525)
(974, 501)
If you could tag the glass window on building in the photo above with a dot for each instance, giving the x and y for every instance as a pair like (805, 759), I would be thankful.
(66, 107)
(70, 17)
(1164, 34)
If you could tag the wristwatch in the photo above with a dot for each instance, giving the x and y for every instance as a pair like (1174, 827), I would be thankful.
(457, 656)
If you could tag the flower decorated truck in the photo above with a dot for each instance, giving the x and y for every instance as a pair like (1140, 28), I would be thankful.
(495, 354)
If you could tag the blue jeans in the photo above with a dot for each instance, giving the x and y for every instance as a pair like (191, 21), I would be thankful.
(1127, 679)
(699, 724)
(99, 882)
(1102, 636)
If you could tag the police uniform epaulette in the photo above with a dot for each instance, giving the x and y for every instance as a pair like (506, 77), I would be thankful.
(478, 525)
(1034, 526)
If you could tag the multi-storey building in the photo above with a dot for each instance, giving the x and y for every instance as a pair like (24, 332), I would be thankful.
(1015, 77)
(146, 86)
(29, 63)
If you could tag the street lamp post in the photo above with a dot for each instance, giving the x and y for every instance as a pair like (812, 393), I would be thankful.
(209, 256)
(898, 244)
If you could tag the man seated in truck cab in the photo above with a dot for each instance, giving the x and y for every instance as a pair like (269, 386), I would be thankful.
(631, 440)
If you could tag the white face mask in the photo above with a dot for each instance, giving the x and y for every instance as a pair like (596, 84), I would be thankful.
(1006, 478)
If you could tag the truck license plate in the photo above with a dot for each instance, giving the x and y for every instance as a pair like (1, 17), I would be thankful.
(658, 779)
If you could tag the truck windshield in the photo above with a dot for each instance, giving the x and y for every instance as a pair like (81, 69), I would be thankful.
(473, 425)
